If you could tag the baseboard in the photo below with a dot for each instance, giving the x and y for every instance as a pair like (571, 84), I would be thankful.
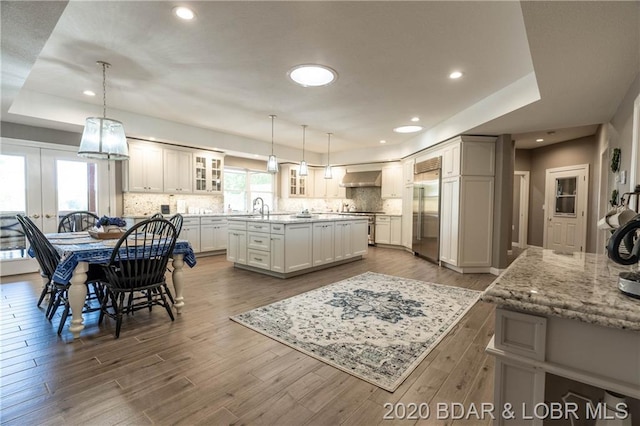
(467, 269)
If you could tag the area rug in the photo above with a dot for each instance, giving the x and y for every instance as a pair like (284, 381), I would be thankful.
(376, 327)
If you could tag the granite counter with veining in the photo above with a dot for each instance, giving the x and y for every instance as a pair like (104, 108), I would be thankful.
(579, 286)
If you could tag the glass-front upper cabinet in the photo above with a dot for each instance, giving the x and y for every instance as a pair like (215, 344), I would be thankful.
(208, 167)
(566, 196)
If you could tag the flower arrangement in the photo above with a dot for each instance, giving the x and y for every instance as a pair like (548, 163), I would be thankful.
(106, 221)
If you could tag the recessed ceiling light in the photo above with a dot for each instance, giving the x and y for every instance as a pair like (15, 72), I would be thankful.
(89, 93)
(454, 75)
(151, 138)
(539, 140)
(383, 141)
(415, 119)
(312, 75)
(184, 13)
(407, 129)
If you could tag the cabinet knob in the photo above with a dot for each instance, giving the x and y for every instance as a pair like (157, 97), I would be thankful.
(35, 216)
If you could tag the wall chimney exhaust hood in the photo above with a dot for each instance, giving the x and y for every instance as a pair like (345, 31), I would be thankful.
(361, 179)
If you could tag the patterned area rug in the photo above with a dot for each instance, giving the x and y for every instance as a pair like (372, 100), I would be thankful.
(373, 326)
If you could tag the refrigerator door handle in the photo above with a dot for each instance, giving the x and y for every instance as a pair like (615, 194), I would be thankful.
(420, 204)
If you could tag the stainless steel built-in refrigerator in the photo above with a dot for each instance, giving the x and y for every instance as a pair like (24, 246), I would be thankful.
(426, 210)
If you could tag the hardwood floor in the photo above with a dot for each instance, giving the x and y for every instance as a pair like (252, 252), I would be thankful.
(205, 369)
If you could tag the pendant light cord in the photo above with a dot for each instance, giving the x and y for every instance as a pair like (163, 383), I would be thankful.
(105, 65)
(329, 150)
(304, 128)
(272, 118)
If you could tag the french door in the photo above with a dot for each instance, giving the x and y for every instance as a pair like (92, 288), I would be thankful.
(44, 182)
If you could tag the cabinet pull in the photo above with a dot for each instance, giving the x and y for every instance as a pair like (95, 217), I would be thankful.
(257, 259)
(258, 241)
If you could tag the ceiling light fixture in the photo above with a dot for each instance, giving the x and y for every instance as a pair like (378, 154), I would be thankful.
(539, 140)
(383, 141)
(312, 75)
(103, 138)
(407, 129)
(304, 169)
(184, 13)
(327, 169)
(89, 93)
(272, 163)
(455, 75)
(415, 119)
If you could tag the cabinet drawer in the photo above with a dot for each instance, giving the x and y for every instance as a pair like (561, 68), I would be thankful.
(192, 221)
(259, 258)
(382, 219)
(212, 220)
(238, 225)
(277, 228)
(259, 241)
(260, 227)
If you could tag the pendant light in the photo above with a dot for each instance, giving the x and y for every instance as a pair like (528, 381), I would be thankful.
(272, 164)
(327, 169)
(304, 169)
(103, 137)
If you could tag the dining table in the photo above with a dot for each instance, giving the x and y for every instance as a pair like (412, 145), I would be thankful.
(79, 249)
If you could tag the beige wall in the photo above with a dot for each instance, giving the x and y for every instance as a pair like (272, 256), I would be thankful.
(245, 163)
(577, 151)
(621, 131)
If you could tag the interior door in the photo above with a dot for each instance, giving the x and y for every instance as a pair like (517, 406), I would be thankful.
(566, 209)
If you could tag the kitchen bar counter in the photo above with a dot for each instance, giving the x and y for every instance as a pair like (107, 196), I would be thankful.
(580, 286)
(285, 246)
(562, 314)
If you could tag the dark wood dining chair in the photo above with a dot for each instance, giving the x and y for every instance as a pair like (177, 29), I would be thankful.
(78, 221)
(135, 275)
(48, 260)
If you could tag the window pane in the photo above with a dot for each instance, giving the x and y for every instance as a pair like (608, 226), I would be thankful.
(13, 195)
(13, 243)
(235, 194)
(76, 184)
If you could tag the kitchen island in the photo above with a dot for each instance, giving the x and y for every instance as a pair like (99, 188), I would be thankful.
(561, 315)
(288, 245)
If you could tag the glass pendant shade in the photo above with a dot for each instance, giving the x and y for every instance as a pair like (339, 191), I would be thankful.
(272, 164)
(304, 169)
(327, 172)
(103, 138)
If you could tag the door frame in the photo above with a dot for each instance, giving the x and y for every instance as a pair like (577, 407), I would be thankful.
(634, 169)
(524, 208)
(582, 202)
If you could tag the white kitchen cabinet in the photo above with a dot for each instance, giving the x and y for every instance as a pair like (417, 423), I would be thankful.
(177, 166)
(143, 170)
(298, 246)
(392, 181)
(467, 222)
(191, 232)
(360, 237)
(451, 159)
(237, 243)
(323, 243)
(407, 216)
(292, 184)
(408, 171)
(213, 234)
(383, 229)
(207, 168)
(395, 230)
(343, 244)
(277, 253)
(329, 188)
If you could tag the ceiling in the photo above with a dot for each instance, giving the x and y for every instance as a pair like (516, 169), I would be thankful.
(529, 68)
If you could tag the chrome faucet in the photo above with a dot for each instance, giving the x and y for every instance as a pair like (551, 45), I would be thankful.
(262, 206)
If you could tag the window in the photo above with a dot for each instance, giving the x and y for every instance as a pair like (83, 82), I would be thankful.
(77, 186)
(242, 186)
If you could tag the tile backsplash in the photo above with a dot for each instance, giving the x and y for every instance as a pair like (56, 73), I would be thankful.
(135, 204)
(365, 199)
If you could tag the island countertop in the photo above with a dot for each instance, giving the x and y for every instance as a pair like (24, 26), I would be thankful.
(579, 286)
(284, 219)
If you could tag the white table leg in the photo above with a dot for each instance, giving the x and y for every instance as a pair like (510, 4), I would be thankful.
(178, 264)
(77, 297)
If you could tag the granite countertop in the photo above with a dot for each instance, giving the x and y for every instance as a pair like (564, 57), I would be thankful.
(580, 286)
(322, 217)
